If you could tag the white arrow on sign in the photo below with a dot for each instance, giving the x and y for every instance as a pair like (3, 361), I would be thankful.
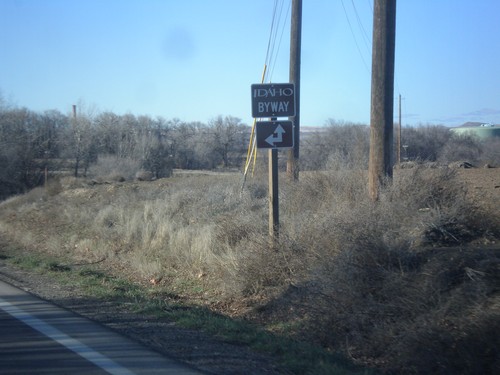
(276, 137)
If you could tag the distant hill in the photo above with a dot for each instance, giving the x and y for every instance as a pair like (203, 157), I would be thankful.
(313, 129)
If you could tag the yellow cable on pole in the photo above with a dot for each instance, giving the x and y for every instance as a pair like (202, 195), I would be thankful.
(254, 157)
(252, 146)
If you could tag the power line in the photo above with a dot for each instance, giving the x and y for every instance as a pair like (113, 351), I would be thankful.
(279, 42)
(273, 47)
(371, 7)
(354, 36)
(271, 32)
(366, 39)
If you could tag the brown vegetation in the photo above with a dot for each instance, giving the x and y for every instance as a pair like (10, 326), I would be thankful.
(409, 284)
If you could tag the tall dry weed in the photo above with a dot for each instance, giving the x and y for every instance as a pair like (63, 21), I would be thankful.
(371, 283)
(113, 168)
(376, 279)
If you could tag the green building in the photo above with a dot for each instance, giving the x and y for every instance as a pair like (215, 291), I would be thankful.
(480, 130)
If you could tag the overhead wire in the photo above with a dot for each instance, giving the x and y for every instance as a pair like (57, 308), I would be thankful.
(271, 32)
(366, 38)
(370, 5)
(354, 36)
(281, 38)
(270, 60)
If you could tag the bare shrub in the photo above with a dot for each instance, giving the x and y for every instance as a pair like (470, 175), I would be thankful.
(257, 189)
(424, 142)
(143, 175)
(452, 328)
(403, 309)
(70, 182)
(347, 143)
(231, 232)
(491, 152)
(114, 168)
(53, 187)
(461, 147)
(371, 287)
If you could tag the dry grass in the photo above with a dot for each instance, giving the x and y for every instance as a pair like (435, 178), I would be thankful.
(394, 284)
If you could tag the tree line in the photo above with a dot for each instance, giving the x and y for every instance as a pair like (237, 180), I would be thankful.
(32, 143)
(347, 145)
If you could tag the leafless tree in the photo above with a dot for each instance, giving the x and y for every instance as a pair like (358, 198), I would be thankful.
(228, 137)
(338, 144)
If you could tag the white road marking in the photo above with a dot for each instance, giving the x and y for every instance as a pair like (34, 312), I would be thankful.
(72, 344)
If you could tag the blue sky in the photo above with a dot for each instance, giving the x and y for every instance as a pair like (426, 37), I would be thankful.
(196, 59)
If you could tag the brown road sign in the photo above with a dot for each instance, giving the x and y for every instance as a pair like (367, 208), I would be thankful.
(273, 100)
(274, 134)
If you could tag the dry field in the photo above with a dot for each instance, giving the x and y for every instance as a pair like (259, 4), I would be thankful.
(483, 184)
(409, 284)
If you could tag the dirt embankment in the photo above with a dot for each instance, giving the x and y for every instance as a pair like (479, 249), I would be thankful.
(483, 184)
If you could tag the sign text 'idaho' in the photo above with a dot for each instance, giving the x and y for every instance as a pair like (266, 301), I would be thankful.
(273, 100)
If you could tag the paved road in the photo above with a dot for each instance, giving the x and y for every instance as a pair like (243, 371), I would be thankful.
(37, 337)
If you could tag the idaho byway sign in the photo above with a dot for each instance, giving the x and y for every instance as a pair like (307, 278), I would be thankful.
(273, 100)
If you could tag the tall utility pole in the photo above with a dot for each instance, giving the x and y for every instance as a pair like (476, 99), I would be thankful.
(77, 136)
(398, 144)
(382, 95)
(292, 166)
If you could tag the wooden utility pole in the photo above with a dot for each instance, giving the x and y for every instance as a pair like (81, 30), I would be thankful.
(399, 133)
(292, 166)
(382, 95)
(77, 140)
